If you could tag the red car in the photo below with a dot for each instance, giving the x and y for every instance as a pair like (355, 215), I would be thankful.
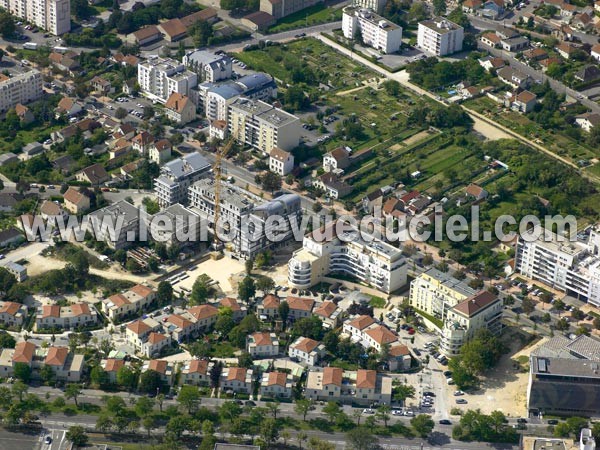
(411, 331)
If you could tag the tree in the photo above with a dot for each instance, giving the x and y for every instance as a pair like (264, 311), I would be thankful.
(439, 7)
(311, 327)
(528, 305)
(225, 322)
(269, 431)
(120, 113)
(383, 413)
(417, 12)
(164, 293)
(208, 436)
(73, 390)
(265, 284)
(246, 289)
(22, 372)
(150, 382)
(7, 25)
(144, 407)
(332, 410)
(149, 422)
(422, 424)
(19, 389)
(177, 425)
(200, 290)
(284, 311)
(597, 323)
(127, 378)
(229, 411)
(189, 397)
(302, 407)
(392, 87)
(215, 374)
(361, 438)
(104, 423)
(77, 435)
(249, 265)
(403, 391)
(273, 408)
(270, 181)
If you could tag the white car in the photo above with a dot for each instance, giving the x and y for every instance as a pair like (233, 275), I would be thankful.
(409, 413)
(396, 412)
(368, 411)
(458, 393)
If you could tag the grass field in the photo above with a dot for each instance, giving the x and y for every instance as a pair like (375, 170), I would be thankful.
(313, 15)
(555, 141)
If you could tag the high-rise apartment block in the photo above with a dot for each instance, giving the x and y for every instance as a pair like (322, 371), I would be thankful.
(440, 36)
(159, 78)
(53, 16)
(23, 88)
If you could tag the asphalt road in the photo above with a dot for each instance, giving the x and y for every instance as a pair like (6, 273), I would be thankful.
(19, 440)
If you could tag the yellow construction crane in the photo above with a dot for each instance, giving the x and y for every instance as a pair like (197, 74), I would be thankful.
(218, 171)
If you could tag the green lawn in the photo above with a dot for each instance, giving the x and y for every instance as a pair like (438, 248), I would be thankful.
(313, 15)
(377, 302)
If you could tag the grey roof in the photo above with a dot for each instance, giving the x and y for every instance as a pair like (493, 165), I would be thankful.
(282, 205)
(11, 233)
(181, 167)
(274, 116)
(453, 283)
(33, 147)
(204, 57)
(255, 80)
(7, 157)
(440, 25)
(121, 208)
(15, 267)
(582, 347)
(516, 40)
(226, 90)
(9, 199)
(565, 367)
(585, 347)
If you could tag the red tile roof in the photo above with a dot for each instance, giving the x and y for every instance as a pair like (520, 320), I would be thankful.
(366, 379)
(56, 356)
(332, 375)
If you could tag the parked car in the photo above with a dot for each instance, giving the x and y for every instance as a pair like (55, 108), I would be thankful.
(552, 422)
(445, 422)
(368, 411)
(461, 401)
(458, 393)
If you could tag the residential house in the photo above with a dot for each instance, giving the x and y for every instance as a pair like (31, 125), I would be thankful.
(268, 308)
(299, 307)
(476, 192)
(354, 328)
(206, 316)
(94, 175)
(138, 331)
(164, 368)
(523, 102)
(378, 336)
(180, 109)
(50, 211)
(545, 63)
(16, 270)
(373, 200)
(135, 300)
(280, 161)
(236, 379)
(332, 186)
(122, 213)
(595, 52)
(8, 158)
(173, 30)
(154, 344)
(9, 200)
(262, 344)
(239, 311)
(24, 114)
(146, 35)
(307, 351)
(329, 313)
(78, 315)
(535, 54)
(67, 107)
(336, 160)
(66, 62)
(12, 314)
(10, 236)
(181, 326)
(513, 77)
(142, 142)
(515, 44)
(471, 6)
(102, 85)
(160, 151)
(588, 74)
(363, 386)
(75, 201)
(276, 385)
(65, 365)
(399, 358)
(325, 385)
(588, 121)
(32, 149)
(491, 39)
(258, 21)
(566, 49)
(582, 22)
(196, 372)
(111, 367)
(493, 9)
(64, 164)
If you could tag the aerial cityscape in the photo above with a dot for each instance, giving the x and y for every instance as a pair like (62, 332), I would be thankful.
(299, 224)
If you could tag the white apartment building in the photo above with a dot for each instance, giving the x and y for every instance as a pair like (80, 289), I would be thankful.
(376, 31)
(371, 261)
(65, 317)
(569, 266)
(440, 37)
(208, 66)
(176, 176)
(53, 16)
(461, 309)
(23, 88)
(159, 78)
(375, 5)
(246, 216)
(262, 126)
(362, 386)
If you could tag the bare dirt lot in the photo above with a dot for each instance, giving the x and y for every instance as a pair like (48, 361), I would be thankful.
(505, 387)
